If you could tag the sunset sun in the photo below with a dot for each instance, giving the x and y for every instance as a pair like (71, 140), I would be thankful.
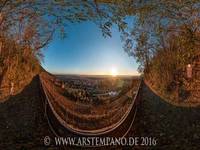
(114, 72)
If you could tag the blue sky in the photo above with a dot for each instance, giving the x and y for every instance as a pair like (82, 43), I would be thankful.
(86, 51)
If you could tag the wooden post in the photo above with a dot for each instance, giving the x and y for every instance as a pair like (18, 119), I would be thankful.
(12, 88)
(189, 71)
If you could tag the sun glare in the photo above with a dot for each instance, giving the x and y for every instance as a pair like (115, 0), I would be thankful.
(114, 72)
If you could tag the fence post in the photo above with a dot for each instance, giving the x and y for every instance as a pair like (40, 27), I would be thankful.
(12, 88)
(189, 71)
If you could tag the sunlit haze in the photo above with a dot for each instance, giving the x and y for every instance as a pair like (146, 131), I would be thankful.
(114, 72)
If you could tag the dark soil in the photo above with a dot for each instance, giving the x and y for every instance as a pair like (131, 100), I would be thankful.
(22, 122)
(174, 127)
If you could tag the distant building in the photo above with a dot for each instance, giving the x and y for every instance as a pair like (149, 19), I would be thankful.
(113, 93)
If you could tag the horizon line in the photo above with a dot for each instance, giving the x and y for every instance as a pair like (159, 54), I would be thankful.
(95, 74)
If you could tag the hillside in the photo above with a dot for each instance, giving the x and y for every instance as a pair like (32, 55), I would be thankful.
(174, 127)
(18, 65)
(174, 85)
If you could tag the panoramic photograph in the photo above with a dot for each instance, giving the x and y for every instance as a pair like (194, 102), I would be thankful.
(99, 74)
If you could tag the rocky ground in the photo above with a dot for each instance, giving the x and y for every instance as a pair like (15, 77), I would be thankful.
(174, 127)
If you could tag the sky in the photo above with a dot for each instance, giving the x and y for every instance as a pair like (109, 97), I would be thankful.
(86, 51)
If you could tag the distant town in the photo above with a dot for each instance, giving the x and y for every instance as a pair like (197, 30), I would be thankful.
(94, 89)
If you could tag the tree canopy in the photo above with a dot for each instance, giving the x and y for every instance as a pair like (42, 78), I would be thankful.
(32, 23)
(157, 20)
